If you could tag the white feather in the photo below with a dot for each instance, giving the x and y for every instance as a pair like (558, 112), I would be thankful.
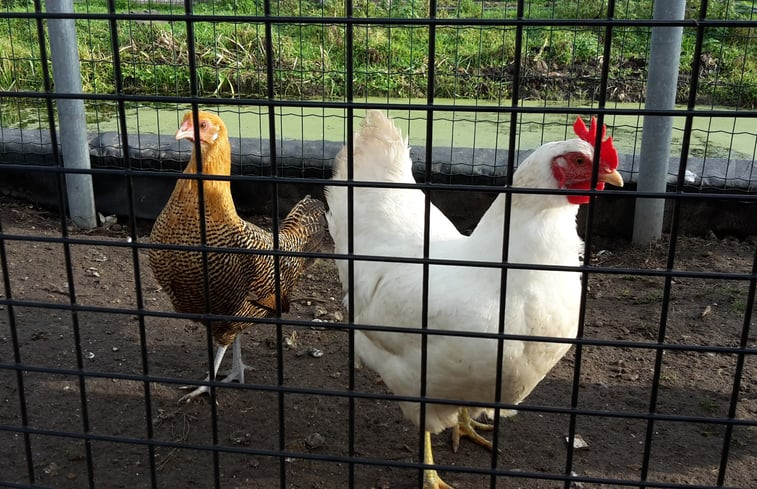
(390, 222)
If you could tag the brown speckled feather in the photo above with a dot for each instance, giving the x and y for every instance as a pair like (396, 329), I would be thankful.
(240, 284)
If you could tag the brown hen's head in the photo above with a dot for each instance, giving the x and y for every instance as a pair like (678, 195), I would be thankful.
(573, 169)
(214, 143)
(212, 128)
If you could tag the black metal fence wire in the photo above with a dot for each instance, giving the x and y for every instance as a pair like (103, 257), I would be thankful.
(98, 447)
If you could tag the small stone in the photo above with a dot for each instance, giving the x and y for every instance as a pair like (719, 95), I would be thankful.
(315, 440)
(578, 442)
(315, 352)
(39, 335)
(290, 341)
(576, 484)
(106, 221)
(51, 469)
(96, 255)
(240, 438)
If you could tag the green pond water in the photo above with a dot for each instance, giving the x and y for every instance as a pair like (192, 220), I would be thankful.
(713, 137)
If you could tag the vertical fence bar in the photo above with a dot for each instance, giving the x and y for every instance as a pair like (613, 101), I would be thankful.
(12, 326)
(124, 133)
(194, 91)
(427, 229)
(69, 273)
(349, 98)
(588, 237)
(674, 227)
(662, 87)
(511, 156)
(71, 116)
(738, 373)
(271, 96)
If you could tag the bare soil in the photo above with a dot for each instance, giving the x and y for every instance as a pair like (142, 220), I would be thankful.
(107, 403)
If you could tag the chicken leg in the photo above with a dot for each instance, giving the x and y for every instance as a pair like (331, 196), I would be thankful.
(237, 365)
(431, 479)
(466, 426)
(235, 374)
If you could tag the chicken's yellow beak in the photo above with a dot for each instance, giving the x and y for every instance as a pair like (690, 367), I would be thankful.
(613, 178)
(186, 131)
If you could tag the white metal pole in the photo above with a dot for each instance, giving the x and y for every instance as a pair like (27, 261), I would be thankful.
(71, 115)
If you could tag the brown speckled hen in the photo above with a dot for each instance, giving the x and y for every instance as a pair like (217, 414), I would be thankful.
(240, 284)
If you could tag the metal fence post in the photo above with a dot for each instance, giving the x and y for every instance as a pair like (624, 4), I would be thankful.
(71, 115)
(662, 85)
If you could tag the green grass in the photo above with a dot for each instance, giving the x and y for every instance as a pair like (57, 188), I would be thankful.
(739, 305)
(389, 60)
(709, 406)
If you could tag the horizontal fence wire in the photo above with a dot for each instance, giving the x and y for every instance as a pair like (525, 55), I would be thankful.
(659, 381)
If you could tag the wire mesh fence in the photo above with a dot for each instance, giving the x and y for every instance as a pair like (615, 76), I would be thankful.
(658, 388)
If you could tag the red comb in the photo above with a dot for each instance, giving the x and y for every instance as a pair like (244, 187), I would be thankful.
(608, 153)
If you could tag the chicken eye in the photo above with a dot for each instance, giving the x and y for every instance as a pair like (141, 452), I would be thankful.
(579, 161)
(203, 125)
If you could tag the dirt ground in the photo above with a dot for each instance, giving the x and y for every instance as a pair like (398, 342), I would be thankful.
(615, 382)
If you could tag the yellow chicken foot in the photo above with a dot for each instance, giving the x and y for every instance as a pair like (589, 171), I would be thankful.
(431, 479)
(466, 426)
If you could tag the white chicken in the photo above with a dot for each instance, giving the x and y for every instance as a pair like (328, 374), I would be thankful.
(389, 222)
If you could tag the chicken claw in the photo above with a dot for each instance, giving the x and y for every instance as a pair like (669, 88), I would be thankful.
(203, 389)
(431, 479)
(236, 374)
(466, 426)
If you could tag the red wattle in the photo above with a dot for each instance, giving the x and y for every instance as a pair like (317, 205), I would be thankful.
(578, 199)
(560, 176)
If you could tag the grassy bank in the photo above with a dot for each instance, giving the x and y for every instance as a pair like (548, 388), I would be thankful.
(310, 59)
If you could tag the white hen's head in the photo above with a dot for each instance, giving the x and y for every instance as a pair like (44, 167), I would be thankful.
(569, 164)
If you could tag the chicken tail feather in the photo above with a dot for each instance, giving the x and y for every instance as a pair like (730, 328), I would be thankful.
(306, 220)
(380, 152)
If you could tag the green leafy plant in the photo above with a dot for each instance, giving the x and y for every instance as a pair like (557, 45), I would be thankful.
(310, 59)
